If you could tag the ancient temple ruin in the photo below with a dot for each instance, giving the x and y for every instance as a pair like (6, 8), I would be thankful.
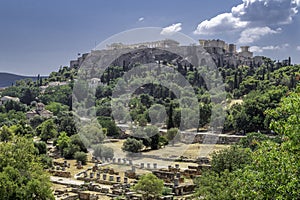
(167, 43)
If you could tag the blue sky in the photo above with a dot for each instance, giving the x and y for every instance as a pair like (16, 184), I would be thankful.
(38, 36)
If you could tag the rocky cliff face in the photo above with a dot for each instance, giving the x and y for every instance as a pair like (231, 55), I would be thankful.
(127, 58)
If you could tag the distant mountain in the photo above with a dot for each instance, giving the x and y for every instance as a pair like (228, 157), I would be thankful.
(7, 79)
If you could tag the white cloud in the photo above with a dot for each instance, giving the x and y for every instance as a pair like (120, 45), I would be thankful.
(171, 29)
(251, 14)
(298, 48)
(259, 49)
(272, 48)
(256, 49)
(250, 35)
(297, 2)
(266, 12)
(141, 19)
(220, 23)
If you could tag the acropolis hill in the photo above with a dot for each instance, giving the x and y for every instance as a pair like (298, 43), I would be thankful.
(222, 53)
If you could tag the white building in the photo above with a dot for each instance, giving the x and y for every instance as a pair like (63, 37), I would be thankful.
(5, 99)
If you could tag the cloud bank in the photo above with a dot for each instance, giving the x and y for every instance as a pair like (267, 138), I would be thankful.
(259, 49)
(252, 18)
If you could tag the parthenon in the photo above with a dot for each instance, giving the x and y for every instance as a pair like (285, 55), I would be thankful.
(156, 44)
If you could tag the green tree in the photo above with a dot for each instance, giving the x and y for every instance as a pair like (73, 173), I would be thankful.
(132, 145)
(150, 186)
(76, 140)
(142, 120)
(103, 151)
(214, 186)
(5, 134)
(170, 123)
(14, 105)
(272, 175)
(21, 173)
(252, 140)
(60, 94)
(70, 151)
(153, 133)
(48, 130)
(110, 125)
(22, 128)
(232, 158)
(172, 134)
(66, 123)
(56, 108)
(273, 172)
(41, 147)
(139, 133)
(219, 182)
(92, 134)
(157, 114)
(36, 121)
(81, 156)
(107, 152)
(46, 161)
(63, 141)
(29, 94)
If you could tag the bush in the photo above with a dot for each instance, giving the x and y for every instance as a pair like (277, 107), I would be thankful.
(36, 121)
(163, 141)
(70, 151)
(252, 140)
(132, 145)
(173, 135)
(110, 125)
(41, 147)
(46, 161)
(166, 191)
(150, 186)
(107, 152)
(75, 139)
(81, 156)
(103, 151)
(231, 159)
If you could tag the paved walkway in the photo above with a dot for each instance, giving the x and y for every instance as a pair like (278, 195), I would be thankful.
(65, 181)
(69, 181)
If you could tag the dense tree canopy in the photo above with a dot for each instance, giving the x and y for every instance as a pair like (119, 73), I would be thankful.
(21, 173)
(273, 172)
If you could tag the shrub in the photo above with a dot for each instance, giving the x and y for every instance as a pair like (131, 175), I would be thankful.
(81, 156)
(103, 151)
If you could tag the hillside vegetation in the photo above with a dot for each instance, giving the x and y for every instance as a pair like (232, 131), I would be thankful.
(268, 102)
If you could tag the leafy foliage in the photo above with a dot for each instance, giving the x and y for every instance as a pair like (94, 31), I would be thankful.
(132, 145)
(252, 140)
(230, 159)
(81, 156)
(150, 186)
(47, 130)
(21, 173)
(103, 151)
(273, 172)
